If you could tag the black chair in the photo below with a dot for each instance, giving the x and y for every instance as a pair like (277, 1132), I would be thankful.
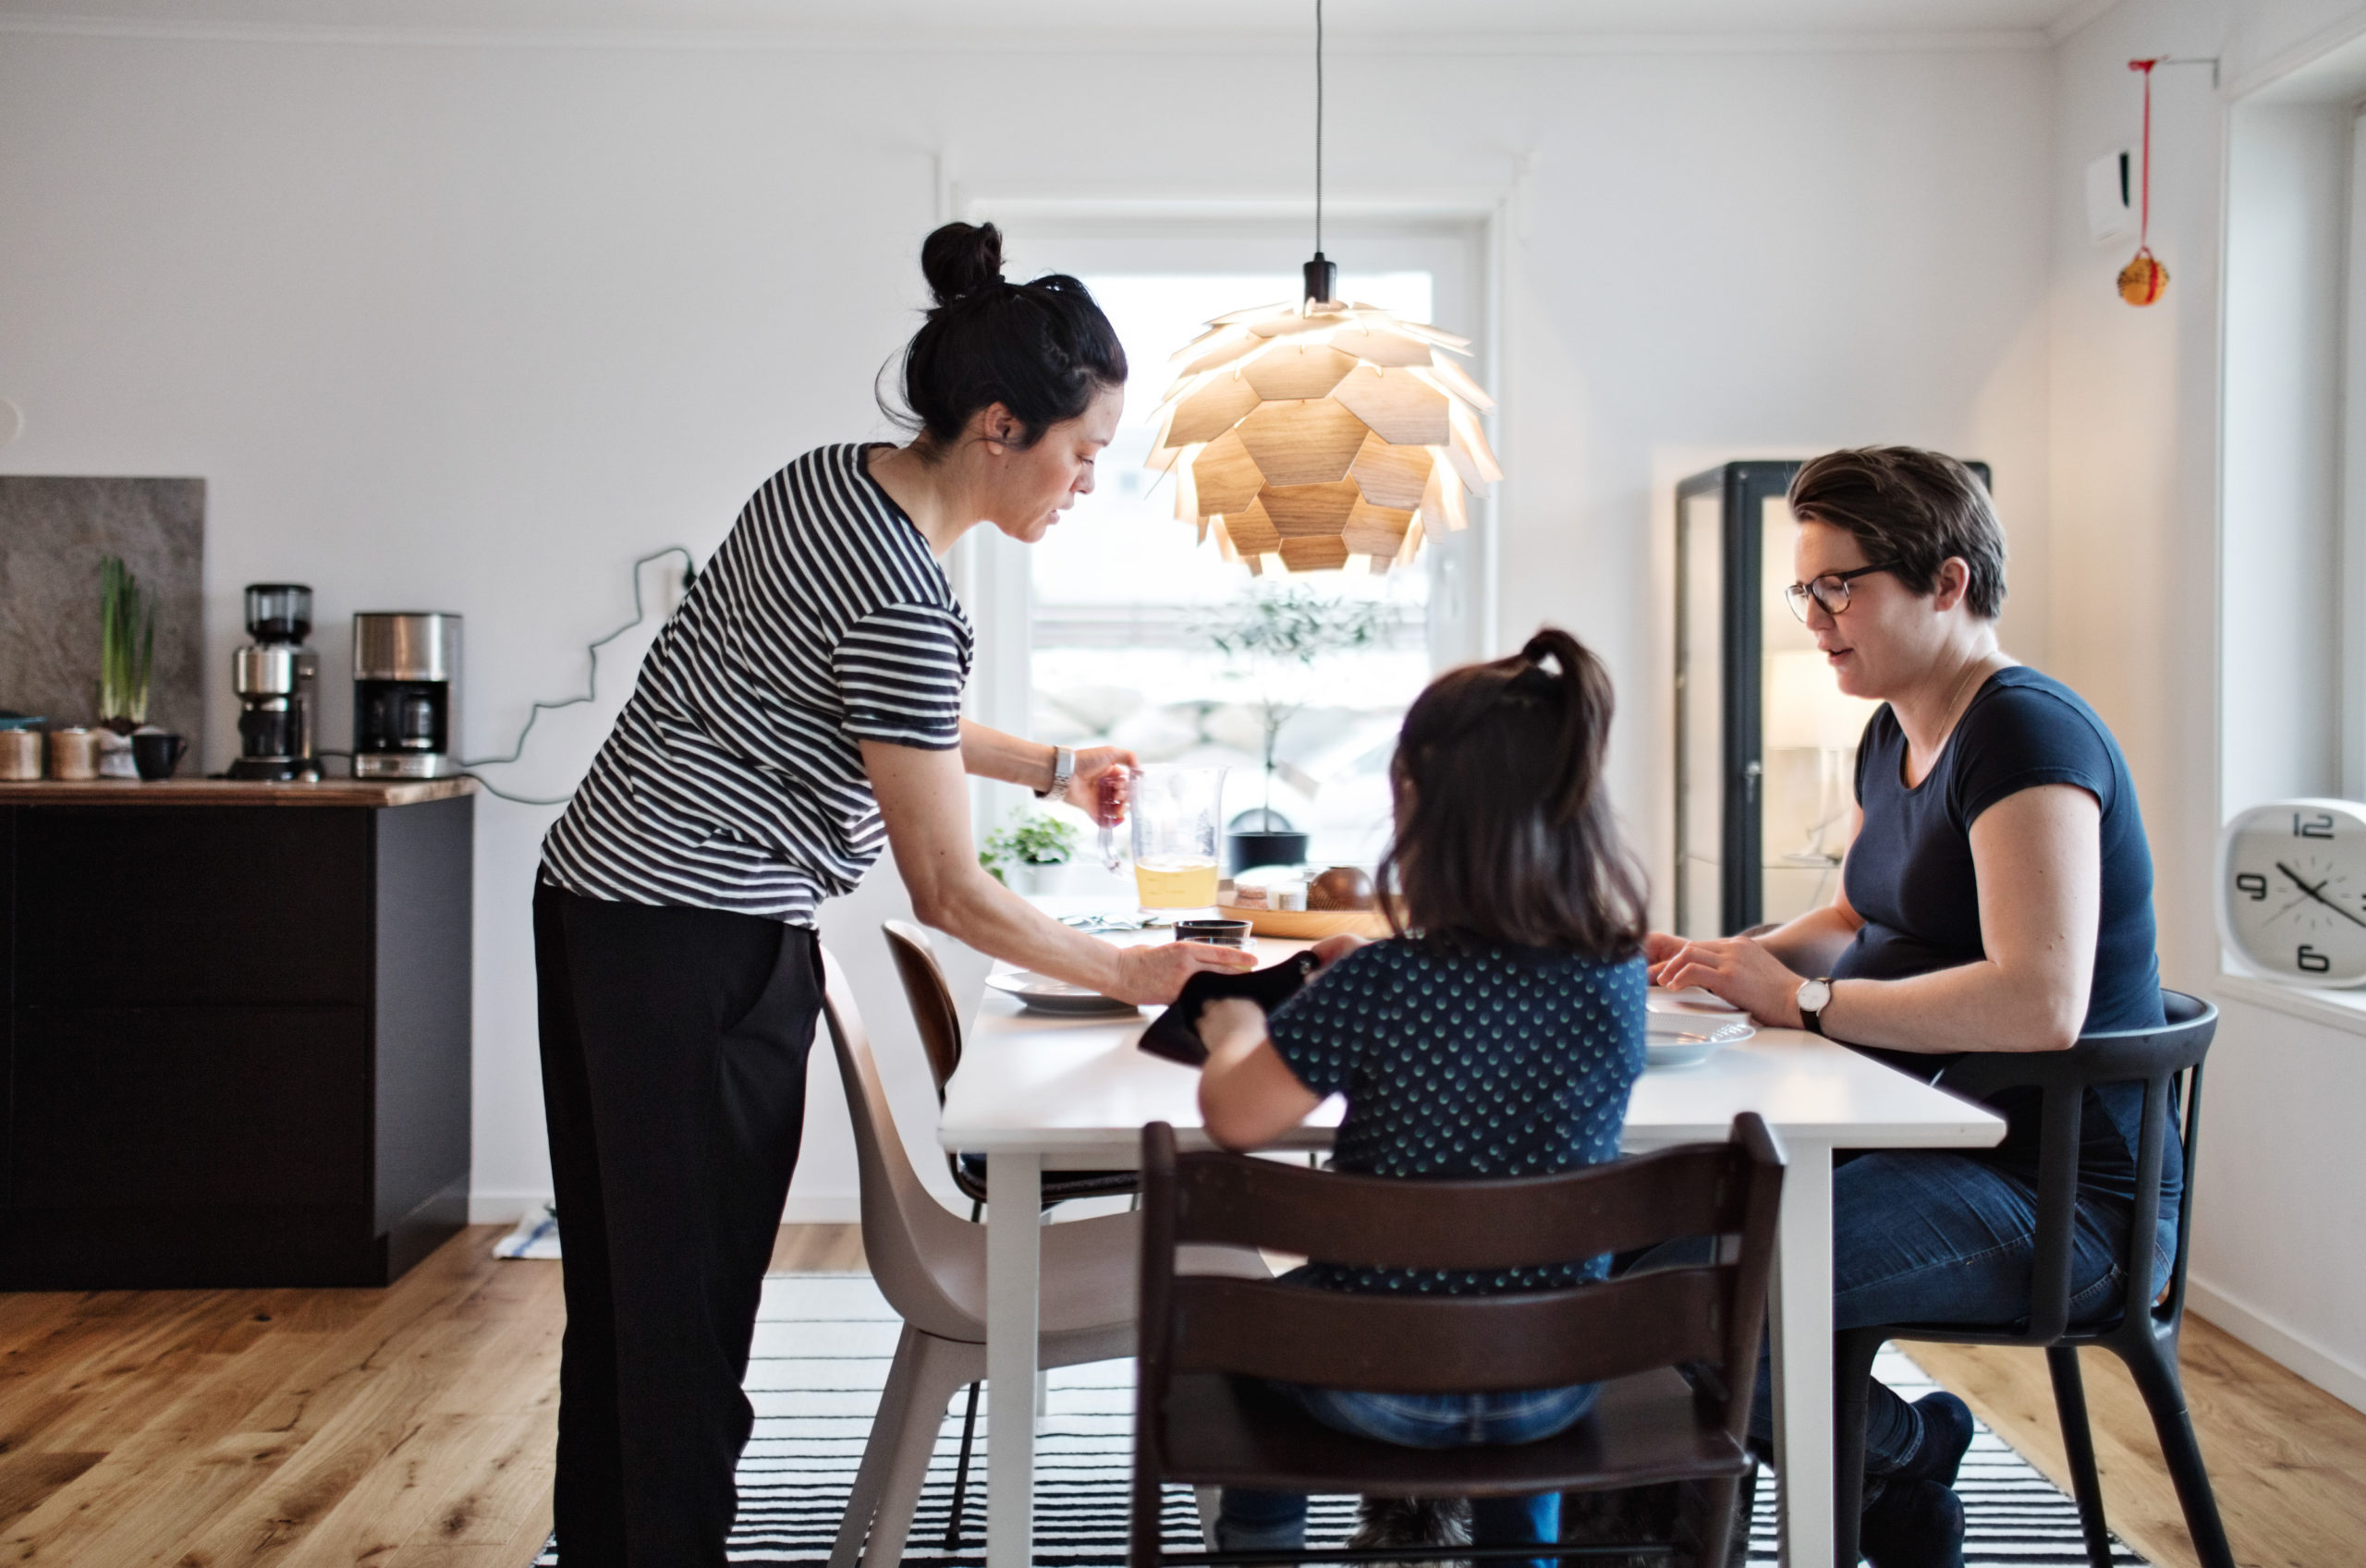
(940, 1027)
(1203, 1413)
(2144, 1332)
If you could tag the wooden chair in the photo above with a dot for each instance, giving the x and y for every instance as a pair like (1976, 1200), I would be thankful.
(1204, 1415)
(2143, 1335)
(940, 1027)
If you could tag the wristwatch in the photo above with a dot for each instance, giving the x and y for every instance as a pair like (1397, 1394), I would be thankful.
(1063, 770)
(1813, 997)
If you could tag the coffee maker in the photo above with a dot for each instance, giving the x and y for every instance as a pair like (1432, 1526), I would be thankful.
(406, 694)
(277, 679)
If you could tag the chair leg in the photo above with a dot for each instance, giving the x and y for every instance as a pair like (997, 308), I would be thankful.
(886, 1429)
(2156, 1378)
(2079, 1446)
(1852, 1375)
(940, 1369)
(961, 1471)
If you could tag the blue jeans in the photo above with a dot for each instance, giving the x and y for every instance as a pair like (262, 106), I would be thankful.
(1255, 1521)
(1933, 1238)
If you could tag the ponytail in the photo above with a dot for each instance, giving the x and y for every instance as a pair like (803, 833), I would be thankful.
(1505, 833)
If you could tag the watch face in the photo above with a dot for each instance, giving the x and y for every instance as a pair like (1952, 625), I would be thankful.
(1814, 995)
(2292, 890)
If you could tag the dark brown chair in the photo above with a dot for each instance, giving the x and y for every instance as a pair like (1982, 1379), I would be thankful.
(940, 1027)
(2143, 1335)
(1203, 1413)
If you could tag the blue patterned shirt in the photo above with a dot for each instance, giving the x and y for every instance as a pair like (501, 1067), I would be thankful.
(1478, 1062)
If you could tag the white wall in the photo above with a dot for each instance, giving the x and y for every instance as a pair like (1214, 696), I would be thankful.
(2137, 623)
(469, 325)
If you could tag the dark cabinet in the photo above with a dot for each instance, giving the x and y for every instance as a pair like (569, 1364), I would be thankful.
(1765, 742)
(237, 1034)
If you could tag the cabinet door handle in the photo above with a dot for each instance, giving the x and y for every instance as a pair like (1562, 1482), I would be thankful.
(1749, 772)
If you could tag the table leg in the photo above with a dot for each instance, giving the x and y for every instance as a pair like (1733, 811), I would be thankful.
(1014, 1291)
(1802, 1355)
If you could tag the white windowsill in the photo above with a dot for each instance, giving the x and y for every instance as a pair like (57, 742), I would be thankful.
(2343, 1010)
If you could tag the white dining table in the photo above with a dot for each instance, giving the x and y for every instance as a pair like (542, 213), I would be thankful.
(1037, 1093)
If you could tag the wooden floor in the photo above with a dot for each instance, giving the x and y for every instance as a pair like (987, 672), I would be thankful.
(411, 1428)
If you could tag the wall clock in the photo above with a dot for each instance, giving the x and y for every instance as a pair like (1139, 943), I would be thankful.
(2292, 890)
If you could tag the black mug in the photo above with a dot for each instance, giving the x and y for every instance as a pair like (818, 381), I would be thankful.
(1224, 933)
(156, 754)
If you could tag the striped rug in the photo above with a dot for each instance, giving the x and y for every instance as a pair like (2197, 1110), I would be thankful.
(824, 1344)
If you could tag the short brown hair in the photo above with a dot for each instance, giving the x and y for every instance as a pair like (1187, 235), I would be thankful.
(1505, 833)
(1910, 510)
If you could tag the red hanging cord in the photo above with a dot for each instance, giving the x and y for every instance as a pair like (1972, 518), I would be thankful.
(2144, 280)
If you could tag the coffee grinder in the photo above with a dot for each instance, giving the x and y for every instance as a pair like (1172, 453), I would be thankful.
(406, 694)
(277, 679)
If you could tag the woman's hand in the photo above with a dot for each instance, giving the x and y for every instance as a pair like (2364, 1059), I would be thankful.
(1156, 972)
(1736, 968)
(1084, 788)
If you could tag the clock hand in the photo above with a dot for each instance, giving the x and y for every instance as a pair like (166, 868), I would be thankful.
(2317, 892)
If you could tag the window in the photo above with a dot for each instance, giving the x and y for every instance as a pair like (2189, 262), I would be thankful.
(1127, 606)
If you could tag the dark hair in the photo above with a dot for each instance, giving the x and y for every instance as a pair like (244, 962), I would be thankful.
(1911, 509)
(1504, 833)
(1042, 349)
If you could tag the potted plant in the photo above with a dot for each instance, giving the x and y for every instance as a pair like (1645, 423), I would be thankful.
(1274, 634)
(1033, 842)
(127, 658)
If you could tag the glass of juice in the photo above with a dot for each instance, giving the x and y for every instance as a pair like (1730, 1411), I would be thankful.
(1177, 817)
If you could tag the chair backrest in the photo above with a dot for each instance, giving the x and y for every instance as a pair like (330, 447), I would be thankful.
(921, 1255)
(2156, 1058)
(1410, 1343)
(931, 997)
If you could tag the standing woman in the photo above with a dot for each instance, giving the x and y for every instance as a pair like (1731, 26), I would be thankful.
(801, 709)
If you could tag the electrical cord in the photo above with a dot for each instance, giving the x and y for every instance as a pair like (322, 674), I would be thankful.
(591, 685)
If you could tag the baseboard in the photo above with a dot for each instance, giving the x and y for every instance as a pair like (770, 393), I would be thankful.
(2273, 1339)
(804, 1207)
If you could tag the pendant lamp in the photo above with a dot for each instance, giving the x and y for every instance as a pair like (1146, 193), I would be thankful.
(1304, 435)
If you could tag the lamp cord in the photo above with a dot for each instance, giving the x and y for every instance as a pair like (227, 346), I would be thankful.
(1318, 127)
(590, 685)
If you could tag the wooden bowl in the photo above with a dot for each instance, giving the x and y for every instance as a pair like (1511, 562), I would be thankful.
(1308, 925)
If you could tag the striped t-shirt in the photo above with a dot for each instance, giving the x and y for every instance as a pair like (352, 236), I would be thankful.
(733, 779)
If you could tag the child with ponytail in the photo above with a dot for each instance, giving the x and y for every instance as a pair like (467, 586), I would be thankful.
(1496, 1034)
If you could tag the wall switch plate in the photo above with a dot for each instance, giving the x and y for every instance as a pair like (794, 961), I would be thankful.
(2111, 192)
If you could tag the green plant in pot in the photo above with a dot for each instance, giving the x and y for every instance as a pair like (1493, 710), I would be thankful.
(1274, 634)
(1033, 840)
(127, 660)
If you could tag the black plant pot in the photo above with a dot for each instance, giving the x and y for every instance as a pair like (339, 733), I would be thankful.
(1251, 849)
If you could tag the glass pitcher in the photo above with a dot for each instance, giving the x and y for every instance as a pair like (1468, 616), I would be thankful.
(1177, 815)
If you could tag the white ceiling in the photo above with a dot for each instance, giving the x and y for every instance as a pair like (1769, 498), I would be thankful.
(1019, 23)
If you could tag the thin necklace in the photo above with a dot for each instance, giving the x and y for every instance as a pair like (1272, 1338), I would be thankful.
(1949, 712)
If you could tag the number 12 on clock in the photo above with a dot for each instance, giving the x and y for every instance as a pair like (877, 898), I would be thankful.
(2292, 891)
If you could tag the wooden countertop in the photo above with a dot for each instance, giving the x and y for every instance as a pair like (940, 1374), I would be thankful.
(230, 792)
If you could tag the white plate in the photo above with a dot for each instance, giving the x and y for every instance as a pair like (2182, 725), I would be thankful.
(1690, 997)
(1669, 1043)
(1041, 993)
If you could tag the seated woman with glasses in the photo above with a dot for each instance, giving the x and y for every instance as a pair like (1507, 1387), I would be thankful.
(1997, 897)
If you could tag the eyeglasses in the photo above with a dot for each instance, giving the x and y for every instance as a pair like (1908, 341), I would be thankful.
(1830, 590)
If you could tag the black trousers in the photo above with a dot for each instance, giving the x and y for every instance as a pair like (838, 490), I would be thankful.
(674, 1051)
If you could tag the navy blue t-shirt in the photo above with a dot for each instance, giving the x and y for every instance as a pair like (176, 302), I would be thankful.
(1468, 1061)
(1910, 876)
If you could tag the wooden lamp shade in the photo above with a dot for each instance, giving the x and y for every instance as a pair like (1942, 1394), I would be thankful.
(1301, 435)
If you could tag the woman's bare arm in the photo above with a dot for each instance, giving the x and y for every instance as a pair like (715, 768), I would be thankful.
(2037, 859)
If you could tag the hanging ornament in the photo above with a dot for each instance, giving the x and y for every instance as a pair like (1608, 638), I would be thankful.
(2144, 280)
(1303, 435)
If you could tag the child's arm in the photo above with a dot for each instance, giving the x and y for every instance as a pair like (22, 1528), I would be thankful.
(1248, 1095)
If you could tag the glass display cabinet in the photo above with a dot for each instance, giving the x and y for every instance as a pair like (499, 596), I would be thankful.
(1765, 742)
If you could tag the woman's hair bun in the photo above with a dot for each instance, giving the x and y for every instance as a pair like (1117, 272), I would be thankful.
(961, 258)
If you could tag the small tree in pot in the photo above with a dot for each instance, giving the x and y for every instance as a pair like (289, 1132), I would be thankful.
(1274, 634)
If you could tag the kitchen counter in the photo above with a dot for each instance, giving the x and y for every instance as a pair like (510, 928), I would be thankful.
(230, 792)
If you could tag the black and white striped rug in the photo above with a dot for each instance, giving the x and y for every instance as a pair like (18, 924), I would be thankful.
(823, 1342)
